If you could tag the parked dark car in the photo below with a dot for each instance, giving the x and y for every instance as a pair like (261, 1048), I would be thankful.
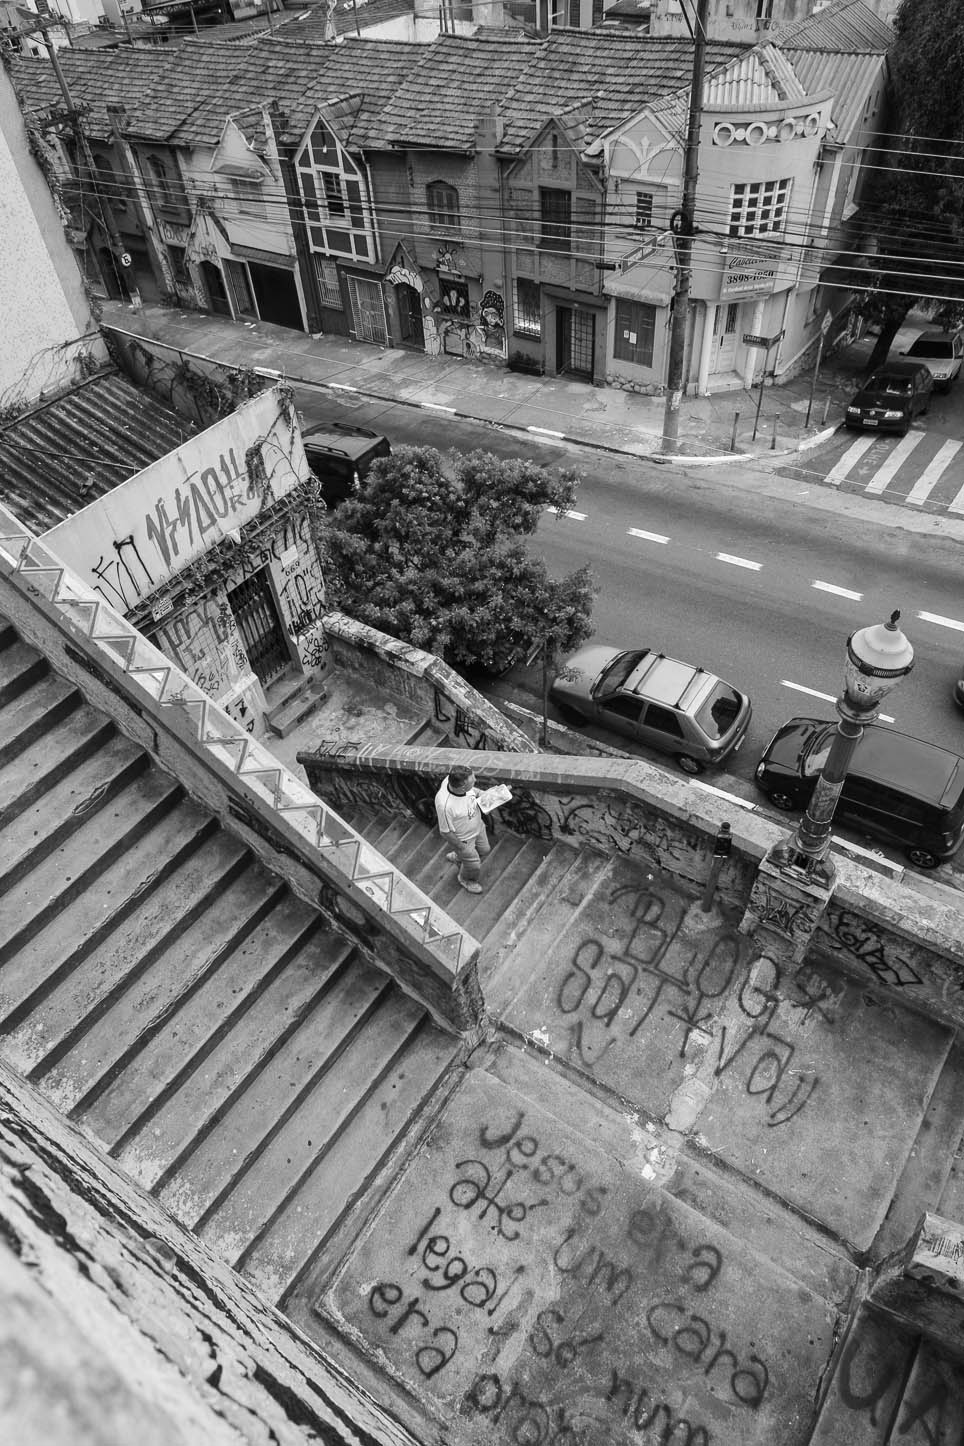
(941, 352)
(891, 399)
(340, 456)
(659, 701)
(900, 789)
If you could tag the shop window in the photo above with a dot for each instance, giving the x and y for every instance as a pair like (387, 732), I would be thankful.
(454, 297)
(527, 314)
(758, 208)
(443, 206)
(555, 211)
(635, 333)
(328, 288)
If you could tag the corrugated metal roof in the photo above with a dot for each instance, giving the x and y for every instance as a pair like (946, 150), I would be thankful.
(850, 78)
(845, 25)
(62, 455)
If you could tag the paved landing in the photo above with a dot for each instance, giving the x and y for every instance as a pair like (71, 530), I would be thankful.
(815, 1092)
(532, 1286)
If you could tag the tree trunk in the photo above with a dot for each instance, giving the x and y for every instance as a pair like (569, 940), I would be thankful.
(885, 339)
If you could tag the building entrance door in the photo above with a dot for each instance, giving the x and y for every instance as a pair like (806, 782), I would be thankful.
(724, 336)
(575, 341)
(256, 615)
(410, 316)
(214, 285)
(276, 294)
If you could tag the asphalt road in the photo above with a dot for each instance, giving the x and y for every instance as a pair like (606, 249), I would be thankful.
(762, 591)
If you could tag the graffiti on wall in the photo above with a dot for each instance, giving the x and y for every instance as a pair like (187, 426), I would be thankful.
(133, 539)
(205, 643)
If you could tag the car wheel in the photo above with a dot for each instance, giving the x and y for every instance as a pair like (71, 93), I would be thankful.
(688, 764)
(574, 719)
(785, 802)
(922, 858)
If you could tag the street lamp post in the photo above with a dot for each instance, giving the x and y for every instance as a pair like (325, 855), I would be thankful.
(878, 658)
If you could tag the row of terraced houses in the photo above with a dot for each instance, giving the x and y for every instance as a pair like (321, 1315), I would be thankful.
(495, 196)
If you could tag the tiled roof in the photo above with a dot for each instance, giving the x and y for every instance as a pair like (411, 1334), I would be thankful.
(62, 455)
(845, 25)
(850, 78)
(530, 81)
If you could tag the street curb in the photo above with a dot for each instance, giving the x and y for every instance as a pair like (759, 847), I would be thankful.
(272, 374)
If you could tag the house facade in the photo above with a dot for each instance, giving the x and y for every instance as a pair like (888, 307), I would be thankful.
(496, 198)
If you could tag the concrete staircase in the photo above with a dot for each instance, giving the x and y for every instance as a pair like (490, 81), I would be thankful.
(173, 998)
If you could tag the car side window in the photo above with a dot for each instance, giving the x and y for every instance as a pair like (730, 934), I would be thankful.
(664, 720)
(624, 705)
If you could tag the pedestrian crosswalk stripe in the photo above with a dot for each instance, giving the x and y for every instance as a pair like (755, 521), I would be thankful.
(888, 470)
(958, 504)
(933, 472)
(849, 460)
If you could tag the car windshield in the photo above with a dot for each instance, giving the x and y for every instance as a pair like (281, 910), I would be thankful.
(719, 712)
(889, 385)
(614, 676)
(818, 751)
(938, 348)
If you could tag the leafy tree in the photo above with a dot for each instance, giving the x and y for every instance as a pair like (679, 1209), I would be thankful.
(915, 203)
(434, 552)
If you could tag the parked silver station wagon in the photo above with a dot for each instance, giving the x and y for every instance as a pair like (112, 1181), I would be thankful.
(658, 701)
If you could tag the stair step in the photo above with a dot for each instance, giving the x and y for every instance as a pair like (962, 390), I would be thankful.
(163, 1144)
(487, 910)
(297, 705)
(74, 868)
(925, 1176)
(330, 1098)
(34, 769)
(21, 666)
(33, 713)
(125, 894)
(285, 940)
(427, 734)
(143, 1001)
(296, 1236)
(8, 633)
(268, 1093)
(553, 914)
(42, 827)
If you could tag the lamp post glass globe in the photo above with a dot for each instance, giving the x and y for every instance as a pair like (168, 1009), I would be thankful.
(878, 658)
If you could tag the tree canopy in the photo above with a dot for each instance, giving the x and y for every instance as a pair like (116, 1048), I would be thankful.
(433, 552)
(914, 205)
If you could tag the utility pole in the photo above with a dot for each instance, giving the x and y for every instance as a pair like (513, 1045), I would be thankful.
(85, 159)
(681, 226)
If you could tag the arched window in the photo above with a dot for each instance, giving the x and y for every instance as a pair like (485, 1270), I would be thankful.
(443, 205)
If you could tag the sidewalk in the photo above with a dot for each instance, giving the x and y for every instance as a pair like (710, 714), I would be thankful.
(596, 416)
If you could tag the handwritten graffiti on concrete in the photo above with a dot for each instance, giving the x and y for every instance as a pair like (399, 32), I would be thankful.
(205, 643)
(856, 936)
(464, 730)
(543, 1304)
(612, 991)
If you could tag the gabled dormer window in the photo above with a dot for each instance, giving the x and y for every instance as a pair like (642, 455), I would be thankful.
(335, 197)
(443, 206)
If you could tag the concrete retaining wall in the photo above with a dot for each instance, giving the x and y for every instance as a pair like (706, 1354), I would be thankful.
(876, 928)
(403, 671)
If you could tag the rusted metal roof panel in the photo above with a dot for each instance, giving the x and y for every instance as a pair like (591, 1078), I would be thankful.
(60, 456)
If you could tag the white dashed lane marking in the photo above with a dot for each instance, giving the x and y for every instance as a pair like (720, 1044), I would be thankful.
(825, 697)
(941, 622)
(838, 591)
(647, 536)
(738, 561)
(574, 516)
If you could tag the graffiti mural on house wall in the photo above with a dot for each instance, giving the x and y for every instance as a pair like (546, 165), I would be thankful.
(133, 539)
(205, 643)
